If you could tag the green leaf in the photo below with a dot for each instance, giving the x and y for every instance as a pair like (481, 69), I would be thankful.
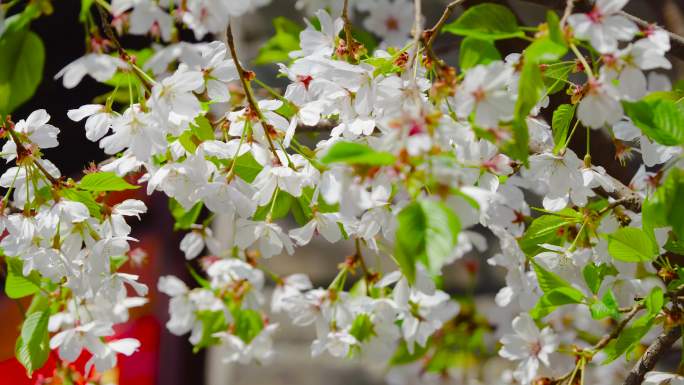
(594, 275)
(357, 153)
(546, 229)
(281, 206)
(202, 128)
(248, 324)
(556, 75)
(105, 181)
(607, 307)
(427, 232)
(548, 280)
(628, 339)
(212, 322)
(560, 123)
(84, 197)
(661, 120)
(549, 47)
(284, 41)
(666, 206)
(17, 285)
(545, 50)
(476, 51)
(32, 347)
(486, 21)
(21, 67)
(21, 20)
(655, 301)
(184, 218)
(629, 244)
(247, 168)
(559, 296)
(383, 65)
(362, 328)
(403, 356)
(187, 140)
(302, 208)
(530, 91)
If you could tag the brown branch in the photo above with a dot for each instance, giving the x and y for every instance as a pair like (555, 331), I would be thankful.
(323, 126)
(348, 38)
(569, 6)
(652, 355)
(249, 93)
(625, 195)
(431, 34)
(123, 54)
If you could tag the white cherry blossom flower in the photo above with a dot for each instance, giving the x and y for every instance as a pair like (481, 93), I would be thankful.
(100, 67)
(603, 26)
(528, 345)
(483, 92)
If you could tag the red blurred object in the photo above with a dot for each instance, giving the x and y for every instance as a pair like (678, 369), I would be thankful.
(138, 369)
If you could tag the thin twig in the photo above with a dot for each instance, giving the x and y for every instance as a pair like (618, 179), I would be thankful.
(22, 150)
(348, 38)
(431, 34)
(123, 54)
(249, 93)
(603, 342)
(417, 33)
(569, 6)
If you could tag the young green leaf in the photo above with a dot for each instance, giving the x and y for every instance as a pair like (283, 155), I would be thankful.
(362, 328)
(248, 324)
(247, 168)
(594, 274)
(281, 206)
(17, 285)
(666, 206)
(661, 120)
(285, 40)
(32, 347)
(546, 229)
(184, 218)
(21, 67)
(560, 124)
(607, 307)
(202, 128)
(655, 301)
(85, 197)
(486, 21)
(476, 51)
(548, 281)
(427, 232)
(530, 91)
(105, 181)
(559, 296)
(629, 244)
(548, 47)
(357, 153)
(628, 339)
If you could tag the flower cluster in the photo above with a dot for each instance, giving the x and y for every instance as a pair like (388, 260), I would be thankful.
(61, 241)
(412, 161)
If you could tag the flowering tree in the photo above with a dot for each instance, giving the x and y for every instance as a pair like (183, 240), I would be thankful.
(410, 154)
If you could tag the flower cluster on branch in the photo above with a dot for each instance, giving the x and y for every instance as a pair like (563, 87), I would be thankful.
(385, 144)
